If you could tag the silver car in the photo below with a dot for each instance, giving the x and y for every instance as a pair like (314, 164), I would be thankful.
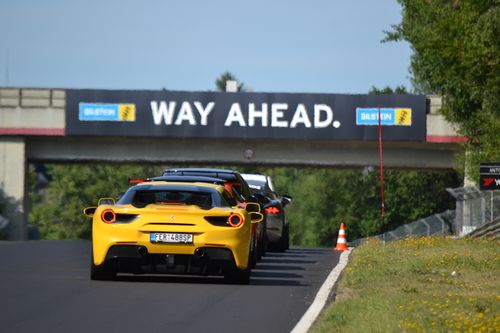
(278, 229)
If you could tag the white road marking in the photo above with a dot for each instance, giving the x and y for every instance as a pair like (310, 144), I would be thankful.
(319, 302)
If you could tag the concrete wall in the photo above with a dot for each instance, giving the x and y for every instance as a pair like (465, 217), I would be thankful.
(438, 128)
(297, 153)
(32, 111)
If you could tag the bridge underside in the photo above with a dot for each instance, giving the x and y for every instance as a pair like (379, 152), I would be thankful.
(234, 152)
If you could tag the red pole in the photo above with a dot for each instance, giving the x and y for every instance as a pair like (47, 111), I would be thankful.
(380, 151)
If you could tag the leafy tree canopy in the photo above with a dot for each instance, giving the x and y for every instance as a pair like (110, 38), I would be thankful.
(456, 48)
(220, 83)
(56, 209)
(388, 90)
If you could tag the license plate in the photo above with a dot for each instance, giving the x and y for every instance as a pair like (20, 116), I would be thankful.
(169, 237)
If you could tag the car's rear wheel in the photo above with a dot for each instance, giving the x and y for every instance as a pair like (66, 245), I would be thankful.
(263, 244)
(284, 242)
(106, 271)
(238, 276)
(235, 275)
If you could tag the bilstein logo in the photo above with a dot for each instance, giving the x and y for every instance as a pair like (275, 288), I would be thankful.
(106, 112)
(388, 116)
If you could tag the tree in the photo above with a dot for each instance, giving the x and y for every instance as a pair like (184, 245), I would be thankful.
(220, 83)
(323, 198)
(388, 90)
(456, 48)
(57, 209)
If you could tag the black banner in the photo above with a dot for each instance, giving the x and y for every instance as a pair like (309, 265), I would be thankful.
(179, 114)
(489, 174)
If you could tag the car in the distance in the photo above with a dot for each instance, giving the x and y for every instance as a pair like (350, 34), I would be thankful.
(278, 228)
(228, 185)
(238, 187)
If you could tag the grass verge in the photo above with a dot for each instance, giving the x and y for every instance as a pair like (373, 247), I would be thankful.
(431, 284)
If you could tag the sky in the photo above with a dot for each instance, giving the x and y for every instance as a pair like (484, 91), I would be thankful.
(296, 46)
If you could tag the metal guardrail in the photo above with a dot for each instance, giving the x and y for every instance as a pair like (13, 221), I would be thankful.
(437, 224)
(490, 230)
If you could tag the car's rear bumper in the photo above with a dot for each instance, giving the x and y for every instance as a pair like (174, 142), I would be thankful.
(107, 239)
(137, 259)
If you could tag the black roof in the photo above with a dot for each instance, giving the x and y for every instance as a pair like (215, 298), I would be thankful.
(224, 174)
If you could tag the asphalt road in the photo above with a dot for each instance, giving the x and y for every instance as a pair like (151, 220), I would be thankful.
(45, 287)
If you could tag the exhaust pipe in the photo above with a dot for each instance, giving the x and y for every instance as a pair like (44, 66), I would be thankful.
(199, 252)
(142, 251)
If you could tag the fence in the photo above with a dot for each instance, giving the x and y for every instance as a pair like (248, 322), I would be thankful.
(437, 224)
(474, 208)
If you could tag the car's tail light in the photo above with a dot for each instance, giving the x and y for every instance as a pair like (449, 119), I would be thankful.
(235, 220)
(273, 210)
(108, 216)
(133, 181)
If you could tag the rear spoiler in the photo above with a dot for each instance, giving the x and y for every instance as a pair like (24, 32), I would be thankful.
(134, 181)
(230, 186)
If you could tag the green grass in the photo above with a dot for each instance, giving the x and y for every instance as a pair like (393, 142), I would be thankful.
(431, 284)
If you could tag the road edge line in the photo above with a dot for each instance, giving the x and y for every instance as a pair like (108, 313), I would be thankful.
(319, 302)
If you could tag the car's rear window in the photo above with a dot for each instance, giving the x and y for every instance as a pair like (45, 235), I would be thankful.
(171, 197)
(142, 198)
(201, 173)
(260, 187)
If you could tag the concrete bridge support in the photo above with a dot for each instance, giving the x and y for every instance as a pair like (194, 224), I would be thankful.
(13, 183)
(24, 114)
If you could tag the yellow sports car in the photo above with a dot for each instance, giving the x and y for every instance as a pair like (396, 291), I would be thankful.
(173, 228)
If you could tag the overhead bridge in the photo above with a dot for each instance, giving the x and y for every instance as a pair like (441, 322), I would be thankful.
(327, 130)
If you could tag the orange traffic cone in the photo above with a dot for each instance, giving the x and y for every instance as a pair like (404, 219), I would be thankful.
(341, 243)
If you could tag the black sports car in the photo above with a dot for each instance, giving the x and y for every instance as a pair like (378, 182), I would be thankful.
(238, 187)
(278, 229)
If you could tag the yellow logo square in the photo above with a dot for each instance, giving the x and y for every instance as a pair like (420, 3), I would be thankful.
(126, 112)
(403, 117)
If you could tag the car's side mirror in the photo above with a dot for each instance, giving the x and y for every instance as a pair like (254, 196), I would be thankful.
(261, 198)
(286, 200)
(89, 211)
(256, 217)
(252, 207)
(106, 201)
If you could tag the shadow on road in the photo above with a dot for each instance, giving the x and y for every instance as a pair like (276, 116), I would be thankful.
(274, 269)
(260, 278)
(289, 261)
(170, 279)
